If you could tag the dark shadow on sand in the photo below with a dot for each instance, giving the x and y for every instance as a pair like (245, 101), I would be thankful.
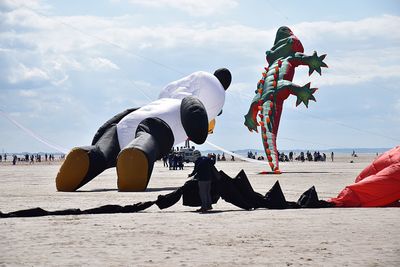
(99, 190)
(156, 189)
(153, 189)
(297, 172)
(208, 212)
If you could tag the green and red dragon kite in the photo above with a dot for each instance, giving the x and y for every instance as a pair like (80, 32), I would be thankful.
(276, 85)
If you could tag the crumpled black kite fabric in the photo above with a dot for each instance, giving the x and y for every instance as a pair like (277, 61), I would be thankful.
(237, 191)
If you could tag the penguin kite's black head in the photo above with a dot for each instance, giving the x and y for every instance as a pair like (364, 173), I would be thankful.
(224, 76)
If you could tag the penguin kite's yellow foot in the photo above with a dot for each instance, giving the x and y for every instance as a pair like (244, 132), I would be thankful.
(73, 170)
(132, 170)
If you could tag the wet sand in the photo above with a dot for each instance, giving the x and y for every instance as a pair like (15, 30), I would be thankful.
(178, 236)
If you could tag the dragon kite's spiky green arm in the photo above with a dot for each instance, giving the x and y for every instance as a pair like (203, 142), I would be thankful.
(314, 62)
(262, 93)
(303, 93)
(251, 116)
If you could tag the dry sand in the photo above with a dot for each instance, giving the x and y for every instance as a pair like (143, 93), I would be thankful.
(180, 237)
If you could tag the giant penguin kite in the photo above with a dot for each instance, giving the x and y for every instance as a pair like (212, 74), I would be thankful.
(134, 139)
(275, 87)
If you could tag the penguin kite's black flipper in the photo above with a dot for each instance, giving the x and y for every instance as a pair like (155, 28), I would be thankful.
(194, 119)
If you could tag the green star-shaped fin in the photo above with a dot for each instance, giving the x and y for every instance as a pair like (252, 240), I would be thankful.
(316, 62)
(304, 94)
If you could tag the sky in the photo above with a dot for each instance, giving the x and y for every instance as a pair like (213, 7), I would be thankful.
(66, 67)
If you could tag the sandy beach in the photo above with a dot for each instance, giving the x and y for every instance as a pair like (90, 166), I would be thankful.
(178, 236)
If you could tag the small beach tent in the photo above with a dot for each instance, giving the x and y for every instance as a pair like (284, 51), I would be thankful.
(378, 185)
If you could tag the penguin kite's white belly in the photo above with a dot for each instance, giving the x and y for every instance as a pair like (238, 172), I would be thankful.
(167, 109)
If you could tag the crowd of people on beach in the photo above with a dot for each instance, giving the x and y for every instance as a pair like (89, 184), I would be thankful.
(173, 161)
(222, 157)
(316, 156)
(176, 161)
(30, 158)
(291, 156)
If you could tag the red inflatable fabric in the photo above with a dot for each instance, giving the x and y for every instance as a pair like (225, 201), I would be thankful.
(378, 185)
(386, 159)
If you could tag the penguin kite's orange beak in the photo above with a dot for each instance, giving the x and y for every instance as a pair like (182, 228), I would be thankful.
(211, 126)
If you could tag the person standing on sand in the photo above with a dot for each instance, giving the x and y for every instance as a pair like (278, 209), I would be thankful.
(203, 173)
(332, 156)
(165, 160)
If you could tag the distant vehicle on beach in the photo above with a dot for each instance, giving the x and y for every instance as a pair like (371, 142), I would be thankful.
(190, 154)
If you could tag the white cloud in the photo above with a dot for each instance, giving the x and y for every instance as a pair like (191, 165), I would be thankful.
(60, 81)
(62, 44)
(377, 29)
(28, 93)
(41, 71)
(100, 63)
(194, 8)
(12, 4)
(23, 73)
(63, 62)
(26, 18)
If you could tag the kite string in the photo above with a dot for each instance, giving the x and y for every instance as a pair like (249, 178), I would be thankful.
(235, 154)
(34, 135)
